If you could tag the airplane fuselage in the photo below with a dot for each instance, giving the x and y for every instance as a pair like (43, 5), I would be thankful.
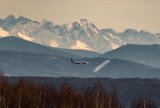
(77, 62)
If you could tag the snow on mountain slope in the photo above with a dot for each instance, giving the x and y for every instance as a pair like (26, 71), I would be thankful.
(64, 36)
(3, 33)
(24, 37)
(80, 45)
(53, 44)
(113, 45)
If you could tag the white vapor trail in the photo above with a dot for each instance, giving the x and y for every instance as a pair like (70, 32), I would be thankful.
(99, 67)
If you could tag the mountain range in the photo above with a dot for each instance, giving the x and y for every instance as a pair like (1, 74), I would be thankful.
(32, 48)
(80, 34)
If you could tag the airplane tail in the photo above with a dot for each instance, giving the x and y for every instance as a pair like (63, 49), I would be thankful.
(72, 61)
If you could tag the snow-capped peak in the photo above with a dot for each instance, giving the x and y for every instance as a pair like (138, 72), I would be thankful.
(80, 27)
(9, 17)
(83, 22)
(130, 31)
(23, 20)
(47, 24)
(44, 21)
(89, 28)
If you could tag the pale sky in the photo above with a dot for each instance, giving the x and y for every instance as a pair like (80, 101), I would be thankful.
(115, 14)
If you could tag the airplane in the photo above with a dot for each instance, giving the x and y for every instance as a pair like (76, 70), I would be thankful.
(77, 62)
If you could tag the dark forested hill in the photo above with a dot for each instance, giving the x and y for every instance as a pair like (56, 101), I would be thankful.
(128, 90)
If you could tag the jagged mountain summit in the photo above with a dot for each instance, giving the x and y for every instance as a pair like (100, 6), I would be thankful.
(80, 34)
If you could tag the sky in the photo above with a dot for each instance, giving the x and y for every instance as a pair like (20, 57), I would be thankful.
(116, 14)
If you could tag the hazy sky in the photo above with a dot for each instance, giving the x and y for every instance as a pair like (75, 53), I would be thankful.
(115, 14)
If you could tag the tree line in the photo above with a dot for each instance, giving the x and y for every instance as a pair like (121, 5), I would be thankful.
(27, 94)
